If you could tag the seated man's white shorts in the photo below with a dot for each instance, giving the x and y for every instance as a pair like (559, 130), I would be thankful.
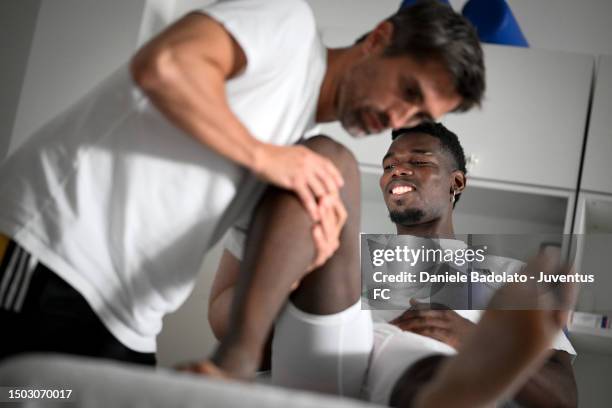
(393, 353)
(323, 353)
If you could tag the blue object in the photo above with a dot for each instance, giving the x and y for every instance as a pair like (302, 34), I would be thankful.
(495, 22)
(408, 3)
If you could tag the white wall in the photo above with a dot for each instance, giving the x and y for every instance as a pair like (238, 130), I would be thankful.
(76, 44)
(17, 25)
(593, 377)
(565, 25)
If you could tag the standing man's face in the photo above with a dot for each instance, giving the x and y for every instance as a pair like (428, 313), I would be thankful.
(417, 180)
(382, 92)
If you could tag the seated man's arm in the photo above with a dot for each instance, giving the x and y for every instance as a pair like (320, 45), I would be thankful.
(553, 385)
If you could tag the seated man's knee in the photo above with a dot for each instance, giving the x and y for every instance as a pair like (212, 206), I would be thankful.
(339, 154)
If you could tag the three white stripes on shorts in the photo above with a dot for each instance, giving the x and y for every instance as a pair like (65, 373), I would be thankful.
(16, 279)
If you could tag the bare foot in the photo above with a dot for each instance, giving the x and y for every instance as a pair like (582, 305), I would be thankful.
(506, 347)
(206, 368)
(236, 360)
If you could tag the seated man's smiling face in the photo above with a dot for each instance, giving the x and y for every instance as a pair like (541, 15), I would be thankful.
(418, 179)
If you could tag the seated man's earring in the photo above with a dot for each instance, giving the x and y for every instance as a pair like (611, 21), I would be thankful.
(453, 196)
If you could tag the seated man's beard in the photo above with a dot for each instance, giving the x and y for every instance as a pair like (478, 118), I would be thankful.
(406, 217)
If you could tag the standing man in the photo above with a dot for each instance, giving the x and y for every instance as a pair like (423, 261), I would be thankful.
(107, 211)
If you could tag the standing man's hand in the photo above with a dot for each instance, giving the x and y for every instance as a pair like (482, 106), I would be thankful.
(326, 233)
(444, 325)
(299, 169)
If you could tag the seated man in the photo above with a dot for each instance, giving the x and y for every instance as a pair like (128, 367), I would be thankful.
(323, 340)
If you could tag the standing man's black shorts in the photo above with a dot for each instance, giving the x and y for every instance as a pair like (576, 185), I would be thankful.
(40, 312)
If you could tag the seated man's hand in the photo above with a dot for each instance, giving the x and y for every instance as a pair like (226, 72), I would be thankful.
(437, 322)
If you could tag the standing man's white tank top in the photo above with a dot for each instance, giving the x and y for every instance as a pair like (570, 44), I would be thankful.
(123, 205)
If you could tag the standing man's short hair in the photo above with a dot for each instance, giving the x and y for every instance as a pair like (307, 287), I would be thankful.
(430, 29)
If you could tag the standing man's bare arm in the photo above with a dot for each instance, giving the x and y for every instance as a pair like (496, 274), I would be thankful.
(183, 72)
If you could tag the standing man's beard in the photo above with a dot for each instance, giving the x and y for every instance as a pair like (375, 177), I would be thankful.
(407, 217)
